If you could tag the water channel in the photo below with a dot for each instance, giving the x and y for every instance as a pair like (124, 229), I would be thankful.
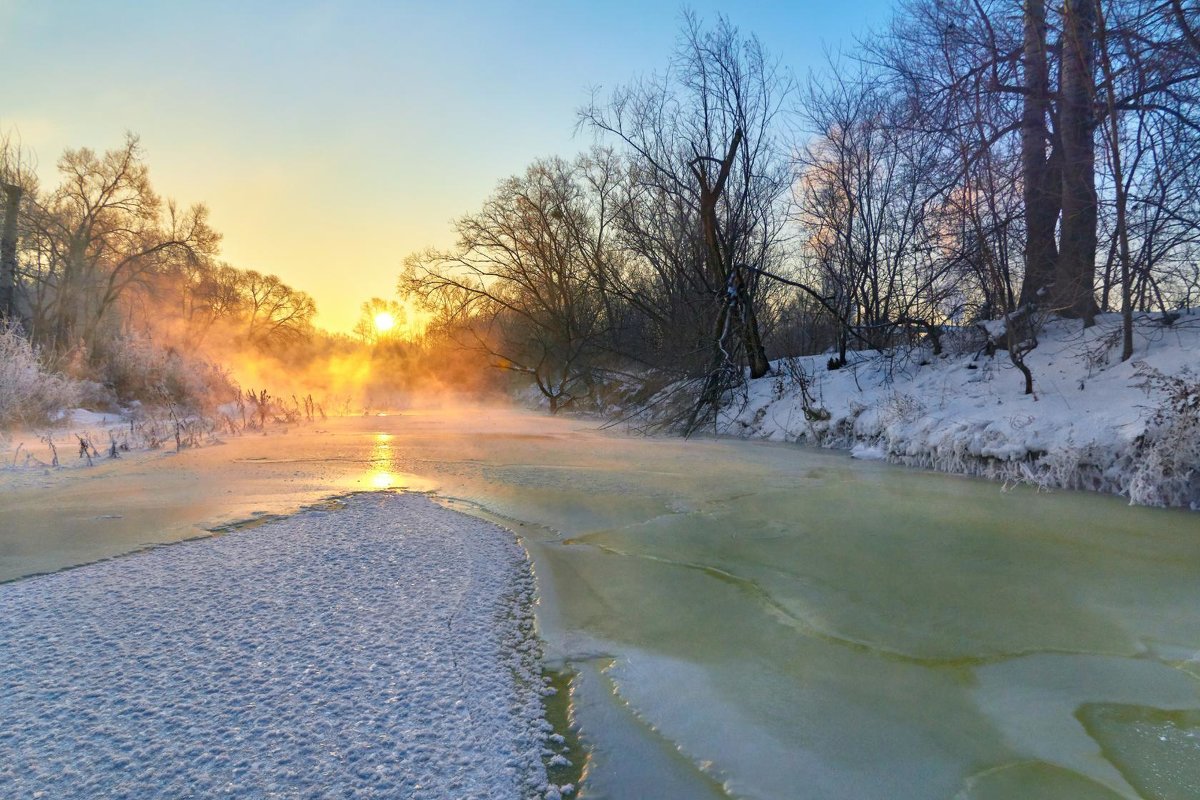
(753, 620)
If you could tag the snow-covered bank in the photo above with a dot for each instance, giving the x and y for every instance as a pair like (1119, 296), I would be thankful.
(1094, 422)
(79, 440)
(385, 649)
(24, 449)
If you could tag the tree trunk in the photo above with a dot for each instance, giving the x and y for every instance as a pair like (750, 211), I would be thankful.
(1122, 198)
(724, 277)
(8, 251)
(1042, 182)
(1074, 286)
(747, 322)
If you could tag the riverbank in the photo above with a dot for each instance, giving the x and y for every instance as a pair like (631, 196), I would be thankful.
(378, 646)
(1094, 422)
(81, 441)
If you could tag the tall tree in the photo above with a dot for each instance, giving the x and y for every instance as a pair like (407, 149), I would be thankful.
(1040, 159)
(1075, 278)
(703, 140)
(101, 233)
(8, 249)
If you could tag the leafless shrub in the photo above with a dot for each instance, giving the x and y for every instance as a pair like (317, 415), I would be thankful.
(29, 393)
(1167, 472)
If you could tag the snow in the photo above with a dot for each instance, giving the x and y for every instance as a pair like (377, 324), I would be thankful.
(82, 418)
(868, 452)
(30, 451)
(385, 649)
(967, 412)
(996, 329)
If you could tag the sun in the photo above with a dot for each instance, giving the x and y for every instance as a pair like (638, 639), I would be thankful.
(384, 322)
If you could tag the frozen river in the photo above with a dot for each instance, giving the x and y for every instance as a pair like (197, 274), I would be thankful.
(755, 620)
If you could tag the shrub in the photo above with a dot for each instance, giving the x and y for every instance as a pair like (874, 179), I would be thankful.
(29, 393)
(1168, 468)
(135, 368)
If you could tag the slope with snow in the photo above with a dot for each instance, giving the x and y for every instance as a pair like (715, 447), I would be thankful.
(1090, 424)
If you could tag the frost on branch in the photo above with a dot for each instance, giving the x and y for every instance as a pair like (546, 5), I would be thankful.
(29, 394)
(1167, 472)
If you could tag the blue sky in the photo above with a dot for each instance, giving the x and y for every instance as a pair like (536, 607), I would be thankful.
(331, 139)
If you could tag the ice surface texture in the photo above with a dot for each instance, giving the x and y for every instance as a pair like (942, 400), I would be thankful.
(381, 650)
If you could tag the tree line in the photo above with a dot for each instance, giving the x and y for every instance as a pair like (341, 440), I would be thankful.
(101, 256)
(124, 296)
(989, 160)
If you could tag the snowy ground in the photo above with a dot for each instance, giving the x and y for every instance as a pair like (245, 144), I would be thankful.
(27, 455)
(31, 448)
(383, 649)
(1089, 424)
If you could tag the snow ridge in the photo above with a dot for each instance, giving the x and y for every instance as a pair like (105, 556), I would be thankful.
(383, 650)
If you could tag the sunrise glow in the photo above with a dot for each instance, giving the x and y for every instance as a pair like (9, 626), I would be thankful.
(384, 322)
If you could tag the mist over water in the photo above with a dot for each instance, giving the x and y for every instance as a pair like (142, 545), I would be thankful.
(755, 620)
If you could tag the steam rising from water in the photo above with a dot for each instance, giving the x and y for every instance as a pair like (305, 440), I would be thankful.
(346, 376)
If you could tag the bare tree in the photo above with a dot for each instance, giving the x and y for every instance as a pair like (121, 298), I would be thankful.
(522, 280)
(704, 146)
(367, 329)
(1075, 282)
(275, 313)
(1041, 158)
(18, 186)
(963, 63)
(870, 209)
(101, 233)
(8, 249)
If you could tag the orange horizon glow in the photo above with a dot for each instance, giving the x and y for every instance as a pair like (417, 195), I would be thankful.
(384, 322)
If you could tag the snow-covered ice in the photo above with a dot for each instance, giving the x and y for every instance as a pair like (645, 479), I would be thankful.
(385, 649)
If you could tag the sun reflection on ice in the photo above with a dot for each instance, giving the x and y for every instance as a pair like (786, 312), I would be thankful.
(381, 460)
(383, 480)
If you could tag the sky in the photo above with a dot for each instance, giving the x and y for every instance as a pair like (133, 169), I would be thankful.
(331, 139)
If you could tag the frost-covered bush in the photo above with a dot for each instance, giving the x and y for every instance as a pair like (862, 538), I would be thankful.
(136, 368)
(1167, 472)
(902, 408)
(29, 393)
